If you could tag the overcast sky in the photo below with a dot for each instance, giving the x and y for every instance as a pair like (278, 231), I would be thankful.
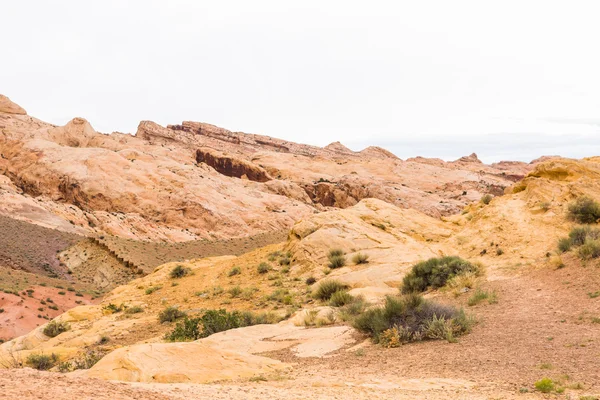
(505, 79)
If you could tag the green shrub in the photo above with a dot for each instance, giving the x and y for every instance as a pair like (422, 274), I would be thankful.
(545, 385)
(340, 298)
(584, 210)
(282, 296)
(499, 251)
(486, 199)
(113, 308)
(88, 360)
(357, 306)
(263, 268)
(435, 272)
(481, 295)
(214, 321)
(153, 289)
(235, 291)
(327, 288)
(564, 245)
(285, 260)
(234, 271)
(185, 331)
(42, 362)
(134, 310)
(170, 314)
(179, 272)
(590, 249)
(360, 258)
(336, 258)
(410, 318)
(580, 234)
(55, 328)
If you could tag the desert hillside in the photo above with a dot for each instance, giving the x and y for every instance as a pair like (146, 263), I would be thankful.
(207, 263)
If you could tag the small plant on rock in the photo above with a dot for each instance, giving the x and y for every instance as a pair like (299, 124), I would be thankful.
(435, 272)
(263, 268)
(327, 288)
(55, 328)
(360, 258)
(179, 272)
(336, 258)
(170, 314)
(584, 210)
(42, 362)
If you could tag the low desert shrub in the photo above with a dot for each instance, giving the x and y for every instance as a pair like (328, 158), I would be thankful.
(564, 245)
(88, 359)
(584, 210)
(340, 298)
(580, 234)
(134, 310)
(409, 318)
(42, 362)
(153, 289)
(360, 258)
(263, 268)
(545, 385)
(170, 314)
(234, 271)
(435, 272)
(336, 258)
(590, 249)
(235, 291)
(486, 199)
(179, 272)
(111, 308)
(214, 321)
(327, 288)
(285, 260)
(55, 328)
(310, 280)
(481, 295)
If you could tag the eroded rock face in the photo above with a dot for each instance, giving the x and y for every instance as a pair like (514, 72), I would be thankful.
(8, 107)
(196, 180)
(232, 167)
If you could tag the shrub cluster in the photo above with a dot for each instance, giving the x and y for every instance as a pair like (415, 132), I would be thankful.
(55, 328)
(214, 321)
(263, 268)
(360, 258)
(410, 318)
(585, 238)
(584, 210)
(486, 199)
(42, 362)
(179, 272)
(435, 272)
(327, 288)
(336, 258)
(170, 314)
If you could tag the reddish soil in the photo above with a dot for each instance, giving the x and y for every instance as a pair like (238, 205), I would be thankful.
(25, 311)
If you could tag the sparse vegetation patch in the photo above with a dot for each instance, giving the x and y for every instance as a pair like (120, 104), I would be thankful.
(55, 328)
(435, 272)
(409, 318)
(584, 210)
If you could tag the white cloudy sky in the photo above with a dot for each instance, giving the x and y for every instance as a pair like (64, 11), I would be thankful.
(505, 79)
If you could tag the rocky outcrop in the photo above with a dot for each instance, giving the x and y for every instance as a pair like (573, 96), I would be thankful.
(472, 158)
(232, 167)
(8, 107)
